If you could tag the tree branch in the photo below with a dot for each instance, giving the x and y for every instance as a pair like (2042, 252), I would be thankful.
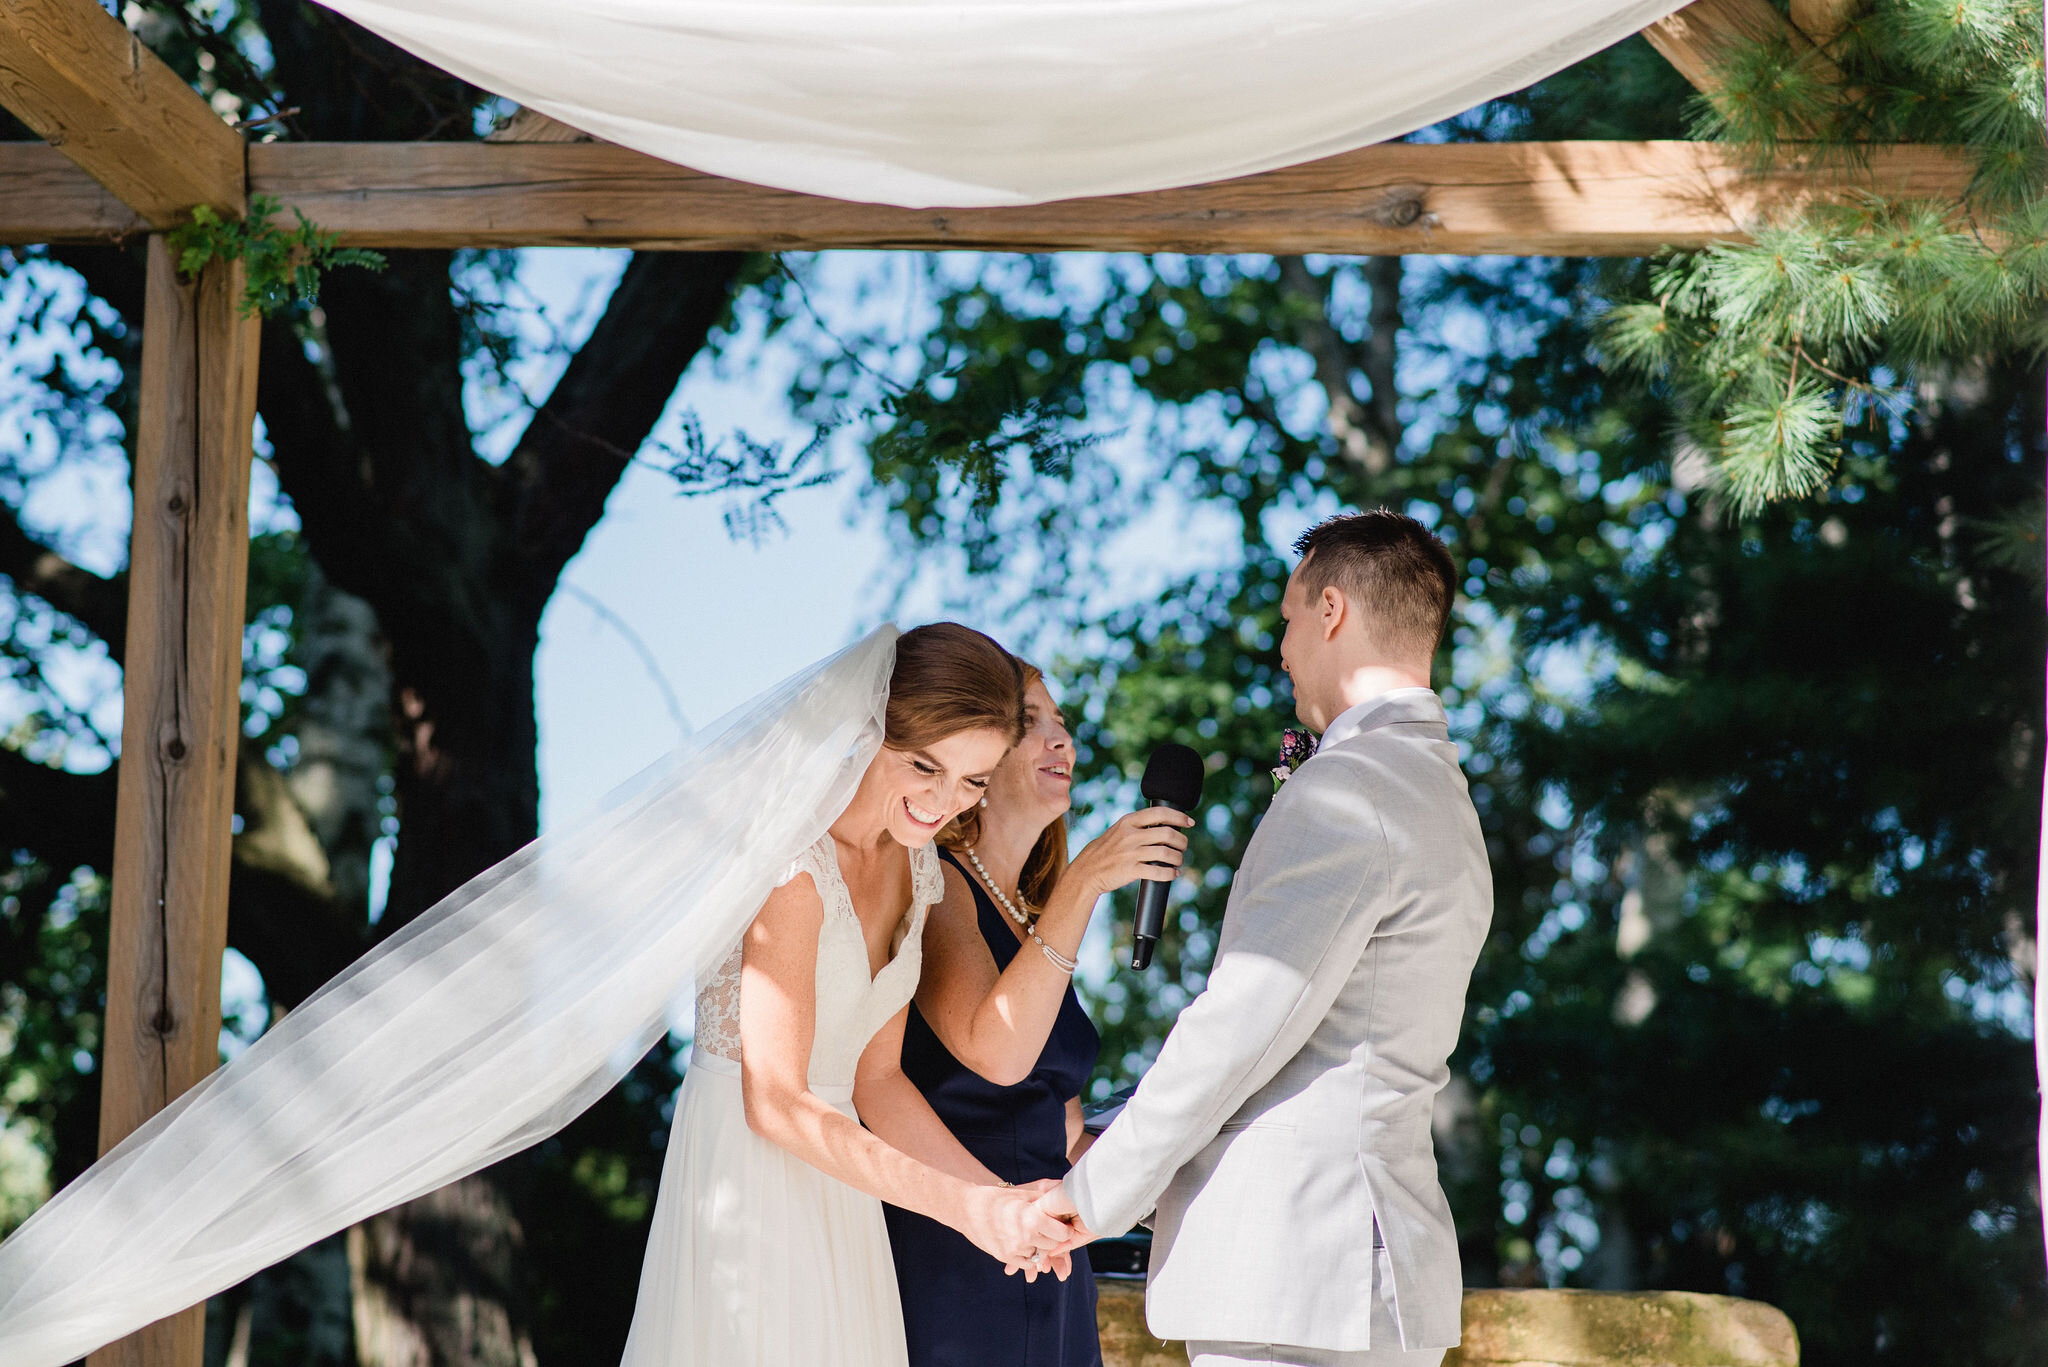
(113, 274)
(100, 605)
(281, 915)
(569, 458)
(1367, 431)
(66, 820)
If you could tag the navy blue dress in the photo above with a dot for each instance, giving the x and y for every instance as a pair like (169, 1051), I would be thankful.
(959, 1310)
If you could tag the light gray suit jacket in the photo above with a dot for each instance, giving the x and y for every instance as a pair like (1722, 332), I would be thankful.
(1291, 1103)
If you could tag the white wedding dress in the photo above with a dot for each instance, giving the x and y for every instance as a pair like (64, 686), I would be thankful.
(757, 1259)
(498, 1015)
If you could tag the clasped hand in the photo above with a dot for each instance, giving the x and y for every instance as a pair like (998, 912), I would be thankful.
(1056, 1257)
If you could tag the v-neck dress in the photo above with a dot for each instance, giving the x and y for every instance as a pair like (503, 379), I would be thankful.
(959, 1310)
(763, 1260)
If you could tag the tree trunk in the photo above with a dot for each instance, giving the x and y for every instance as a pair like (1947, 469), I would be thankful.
(442, 1280)
(1368, 429)
(344, 733)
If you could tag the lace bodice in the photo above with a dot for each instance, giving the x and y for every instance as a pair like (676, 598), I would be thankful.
(851, 1006)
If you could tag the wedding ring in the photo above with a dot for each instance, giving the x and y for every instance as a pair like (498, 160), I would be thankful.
(1038, 1262)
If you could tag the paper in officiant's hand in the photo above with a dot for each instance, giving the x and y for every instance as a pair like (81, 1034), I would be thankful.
(1095, 1119)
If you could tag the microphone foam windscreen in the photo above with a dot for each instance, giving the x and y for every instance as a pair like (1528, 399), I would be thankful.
(1173, 775)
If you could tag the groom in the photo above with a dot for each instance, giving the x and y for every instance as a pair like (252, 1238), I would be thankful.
(1283, 1135)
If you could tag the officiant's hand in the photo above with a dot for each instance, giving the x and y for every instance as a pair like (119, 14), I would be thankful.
(1148, 843)
(1006, 1224)
(1054, 1202)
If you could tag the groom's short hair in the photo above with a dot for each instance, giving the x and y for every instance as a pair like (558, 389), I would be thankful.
(1389, 567)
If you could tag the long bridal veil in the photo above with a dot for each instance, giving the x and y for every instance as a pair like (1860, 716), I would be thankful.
(479, 1029)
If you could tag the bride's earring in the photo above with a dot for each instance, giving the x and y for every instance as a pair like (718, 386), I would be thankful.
(984, 802)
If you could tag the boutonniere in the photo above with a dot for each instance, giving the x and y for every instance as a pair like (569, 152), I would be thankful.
(1296, 746)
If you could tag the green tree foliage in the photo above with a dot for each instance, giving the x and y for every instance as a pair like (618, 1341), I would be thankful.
(1760, 794)
(1787, 352)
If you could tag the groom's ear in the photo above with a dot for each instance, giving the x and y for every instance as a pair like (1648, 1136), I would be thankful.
(1332, 610)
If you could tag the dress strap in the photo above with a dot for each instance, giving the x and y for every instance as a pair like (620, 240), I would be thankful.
(927, 876)
(811, 860)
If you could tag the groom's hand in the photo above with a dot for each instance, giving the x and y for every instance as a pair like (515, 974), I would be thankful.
(1054, 1202)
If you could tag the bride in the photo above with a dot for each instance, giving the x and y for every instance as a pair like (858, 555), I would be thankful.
(759, 1256)
(782, 859)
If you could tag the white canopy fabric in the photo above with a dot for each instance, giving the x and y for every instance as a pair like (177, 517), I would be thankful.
(988, 102)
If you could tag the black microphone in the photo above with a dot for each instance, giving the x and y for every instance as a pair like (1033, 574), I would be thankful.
(1173, 778)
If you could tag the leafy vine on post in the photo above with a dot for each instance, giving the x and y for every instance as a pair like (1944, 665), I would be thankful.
(1781, 351)
(284, 265)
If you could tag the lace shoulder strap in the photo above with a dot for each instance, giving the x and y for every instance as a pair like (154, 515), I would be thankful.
(809, 861)
(821, 862)
(927, 877)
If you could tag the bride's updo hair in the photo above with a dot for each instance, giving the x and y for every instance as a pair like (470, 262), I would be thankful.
(948, 679)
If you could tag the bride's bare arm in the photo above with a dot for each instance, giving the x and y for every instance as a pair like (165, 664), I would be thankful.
(778, 983)
(997, 1023)
(891, 1106)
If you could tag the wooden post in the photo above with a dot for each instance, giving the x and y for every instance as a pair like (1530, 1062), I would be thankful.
(188, 578)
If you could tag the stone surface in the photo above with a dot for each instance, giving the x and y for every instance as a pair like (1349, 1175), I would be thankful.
(1126, 1342)
(1541, 1329)
(1622, 1329)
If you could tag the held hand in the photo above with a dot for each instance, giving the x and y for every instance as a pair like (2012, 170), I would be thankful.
(1060, 1264)
(1136, 847)
(1056, 1204)
(1004, 1223)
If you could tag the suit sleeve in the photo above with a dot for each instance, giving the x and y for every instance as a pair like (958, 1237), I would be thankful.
(1306, 895)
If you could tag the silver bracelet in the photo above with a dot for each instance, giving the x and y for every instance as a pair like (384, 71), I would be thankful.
(1059, 960)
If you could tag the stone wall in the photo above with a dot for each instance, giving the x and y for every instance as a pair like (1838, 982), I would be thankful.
(1542, 1329)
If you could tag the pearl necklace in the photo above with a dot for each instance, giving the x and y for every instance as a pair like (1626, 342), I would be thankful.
(1029, 923)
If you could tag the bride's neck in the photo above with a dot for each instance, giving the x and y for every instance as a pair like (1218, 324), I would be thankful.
(1004, 846)
(863, 828)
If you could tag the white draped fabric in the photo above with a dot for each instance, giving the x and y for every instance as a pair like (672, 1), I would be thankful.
(987, 102)
(481, 1028)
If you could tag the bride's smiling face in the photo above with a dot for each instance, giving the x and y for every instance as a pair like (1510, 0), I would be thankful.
(920, 790)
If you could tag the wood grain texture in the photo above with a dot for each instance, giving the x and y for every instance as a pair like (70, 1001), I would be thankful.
(44, 197)
(1530, 199)
(85, 84)
(1694, 38)
(530, 125)
(1823, 20)
(1525, 199)
(188, 562)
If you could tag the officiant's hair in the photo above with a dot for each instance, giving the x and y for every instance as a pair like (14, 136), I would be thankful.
(1390, 567)
(948, 679)
(1048, 857)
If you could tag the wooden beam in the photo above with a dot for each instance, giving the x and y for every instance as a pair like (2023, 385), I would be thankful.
(1696, 38)
(1822, 21)
(1534, 199)
(188, 561)
(85, 84)
(44, 197)
(1527, 199)
(530, 125)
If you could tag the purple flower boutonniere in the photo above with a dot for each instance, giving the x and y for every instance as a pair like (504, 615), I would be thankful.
(1296, 746)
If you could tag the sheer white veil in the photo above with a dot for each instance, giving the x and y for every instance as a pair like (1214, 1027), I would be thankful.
(479, 1029)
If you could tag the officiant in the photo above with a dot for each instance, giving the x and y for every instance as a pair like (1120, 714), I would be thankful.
(998, 1043)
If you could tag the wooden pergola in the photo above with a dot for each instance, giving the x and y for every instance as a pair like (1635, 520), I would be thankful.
(131, 149)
